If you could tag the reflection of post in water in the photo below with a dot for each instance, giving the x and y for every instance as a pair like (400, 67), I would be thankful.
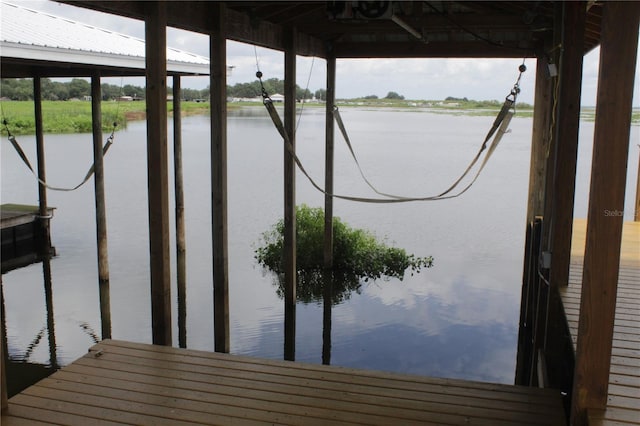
(326, 317)
(48, 294)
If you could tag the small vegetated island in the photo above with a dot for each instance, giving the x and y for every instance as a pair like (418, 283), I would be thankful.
(359, 257)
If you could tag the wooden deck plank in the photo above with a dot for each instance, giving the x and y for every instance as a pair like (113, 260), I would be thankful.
(342, 398)
(199, 406)
(126, 382)
(614, 414)
(389, 381)
(623, 407)
(338, 397)
(359, 384)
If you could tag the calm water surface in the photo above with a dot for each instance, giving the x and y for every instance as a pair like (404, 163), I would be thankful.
(458, 319)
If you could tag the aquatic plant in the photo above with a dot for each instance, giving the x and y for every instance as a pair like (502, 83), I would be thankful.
(358, 257)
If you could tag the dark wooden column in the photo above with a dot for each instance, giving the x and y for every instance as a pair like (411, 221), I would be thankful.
(101, 209)
(549, 189)
(45, 247)
(181, 250)
(328, 210)
(618, 51)
(568, 123)
(328, 168)
(540, 141)
(290, 270)
(158, 170)
(218, 55)
(543, 104)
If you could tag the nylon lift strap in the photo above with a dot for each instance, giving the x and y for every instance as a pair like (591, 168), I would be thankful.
(500, 125)
(26, 161)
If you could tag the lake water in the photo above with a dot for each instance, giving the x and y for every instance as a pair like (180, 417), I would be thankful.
(458, 319)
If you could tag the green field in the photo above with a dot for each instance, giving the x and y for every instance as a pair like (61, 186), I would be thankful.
(75, 116)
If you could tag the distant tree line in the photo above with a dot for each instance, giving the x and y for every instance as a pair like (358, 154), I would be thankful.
(22, 90)
(390, 95)
(271, 86)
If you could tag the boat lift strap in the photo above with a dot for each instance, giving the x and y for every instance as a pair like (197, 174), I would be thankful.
(499, 126)
(26, 161)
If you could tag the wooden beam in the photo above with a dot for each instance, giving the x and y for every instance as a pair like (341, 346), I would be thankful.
(181, 249)
(415, 49)
(158, 170)
(618, 53)
(243, 28)
(328, 161)
(101, 210)
(218, 79)
(290, 269)
(568, 124)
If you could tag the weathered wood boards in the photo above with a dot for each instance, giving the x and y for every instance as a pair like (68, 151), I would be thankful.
(145, 384)
(623, 400)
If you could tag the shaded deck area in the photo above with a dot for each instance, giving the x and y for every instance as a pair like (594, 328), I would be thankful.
(623, 405)
(119, 382)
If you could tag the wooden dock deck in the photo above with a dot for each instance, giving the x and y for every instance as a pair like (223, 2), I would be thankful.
(624, 378)
(21, 235)
(121, 382)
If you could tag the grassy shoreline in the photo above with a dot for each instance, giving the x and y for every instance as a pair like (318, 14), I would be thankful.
(75, 116)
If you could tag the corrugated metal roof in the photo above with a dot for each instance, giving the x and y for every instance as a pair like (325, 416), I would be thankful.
(33, 35)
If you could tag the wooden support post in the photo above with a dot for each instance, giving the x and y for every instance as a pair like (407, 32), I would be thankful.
(328, 210)
(568, 123)
(181, 250)
(543, 104)
(328, 173)
(540, 141)
(158, 170)
(45, 246)
(549, 189)
(290, 269)
(218, 55)
(101, 211)
(618, 51)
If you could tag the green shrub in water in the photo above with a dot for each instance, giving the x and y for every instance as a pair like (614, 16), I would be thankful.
(358, 257)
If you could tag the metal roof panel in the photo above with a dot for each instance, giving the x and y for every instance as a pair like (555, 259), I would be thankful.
(29, 34)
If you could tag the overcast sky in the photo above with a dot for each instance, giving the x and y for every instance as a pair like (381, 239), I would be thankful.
(413, 78)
